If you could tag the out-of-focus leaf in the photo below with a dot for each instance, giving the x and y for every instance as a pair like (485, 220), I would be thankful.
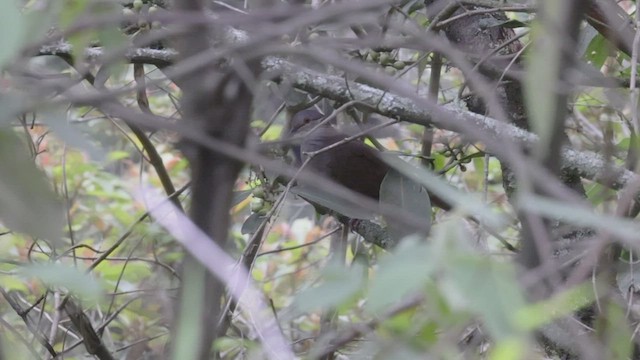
(10, 104)
(627, 230)
(402, 192)
(71, 11)
(421, 66)
(185, 342)
(333, 202)
(293, 97)
(13, 27)
(475, 283)
(273, 133)
(111, 37)
(252, 223)
(533, 316)
(80, 41)
(118, 155)
(597, 193)
(339, 285)
(56, 275)
(490, 289)
(227, 344)
(404, 272)
(543, 71)
(507, 349)
(10, 282)
(27, 203)
(465, 202)
(614, 328)
(133, 271)
(57, 121)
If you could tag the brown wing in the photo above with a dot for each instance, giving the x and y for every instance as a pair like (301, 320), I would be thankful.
(355, 166)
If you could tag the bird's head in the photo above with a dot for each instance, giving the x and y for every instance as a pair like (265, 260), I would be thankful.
(304, 120)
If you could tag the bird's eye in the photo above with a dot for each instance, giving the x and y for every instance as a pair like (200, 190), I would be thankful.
(307, 120)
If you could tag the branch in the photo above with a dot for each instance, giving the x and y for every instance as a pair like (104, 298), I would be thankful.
(159, 58)
(588, 164)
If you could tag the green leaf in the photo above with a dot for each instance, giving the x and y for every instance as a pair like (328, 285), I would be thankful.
(507, 349)
(118, 155)
(27, 203)
(421, 66)
(627, 230)
(597, 51)
(475, 283)
(400, 274)
(68, 277)
(187, 328)
(402, 192)
(12, 26)
(614, 328)
(273, 133)
(10, 105)
(560, 305)
(133, 271)
(339, 284)
(250, 226)
(57, 121)
(543, 75)
(464, 202)
(239, 196)
(597, 193)
(13, 283)
(71, 11)
(490, 289)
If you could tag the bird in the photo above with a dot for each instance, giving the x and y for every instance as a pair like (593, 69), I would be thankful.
(352, 164)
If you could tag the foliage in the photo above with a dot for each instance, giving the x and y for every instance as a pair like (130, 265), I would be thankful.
(94, 126)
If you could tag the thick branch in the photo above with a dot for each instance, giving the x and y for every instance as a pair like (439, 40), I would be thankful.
(588, 164)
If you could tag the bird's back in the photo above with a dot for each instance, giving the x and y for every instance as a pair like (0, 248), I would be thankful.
(352, 164)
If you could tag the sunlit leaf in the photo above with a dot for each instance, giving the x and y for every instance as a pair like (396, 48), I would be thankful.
(10, 282)
(273, 133)
(560, 305)
(118, 155)
(133, 271)
(508, 349)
